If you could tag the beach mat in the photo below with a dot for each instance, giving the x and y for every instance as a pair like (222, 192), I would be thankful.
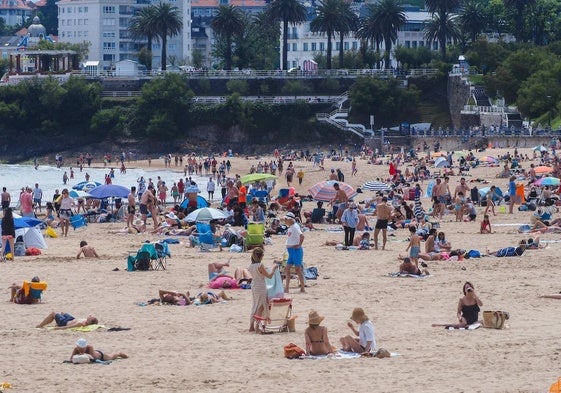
(394, 275)
(339, 355)
(473, 326)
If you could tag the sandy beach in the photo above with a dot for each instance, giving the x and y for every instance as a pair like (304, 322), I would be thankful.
(208, 348)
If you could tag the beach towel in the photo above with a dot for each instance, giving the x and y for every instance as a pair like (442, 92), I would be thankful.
(340, 355)
(334, 229)
(473, 326)
(97, 361)
(88, 328)
(274, 286)
(170, 240)
(398, 274)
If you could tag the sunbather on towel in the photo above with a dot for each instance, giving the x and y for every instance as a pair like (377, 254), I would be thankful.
(317, 342)
(510, 251)
(180, 299)
(66, 321)
(408, 267)
(82, 348)
(468, 308)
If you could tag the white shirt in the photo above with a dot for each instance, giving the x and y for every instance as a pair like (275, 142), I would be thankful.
(294, 233)
(366, 333)
(210, 185)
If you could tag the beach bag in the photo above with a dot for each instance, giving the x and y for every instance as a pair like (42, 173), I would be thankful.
(311, 273)
(495, 319)
(32, 251)
(293, 351)
(51, 232)
(19, 249)
(472, 254)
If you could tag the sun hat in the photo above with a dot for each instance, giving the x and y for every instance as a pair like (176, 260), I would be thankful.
(171, 215)
(290, 216)
(358, 314)
(82, 343)
(314, 318)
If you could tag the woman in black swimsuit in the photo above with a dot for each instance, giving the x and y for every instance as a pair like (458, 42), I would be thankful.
(468, 308)
(317, 342)
(83, 348)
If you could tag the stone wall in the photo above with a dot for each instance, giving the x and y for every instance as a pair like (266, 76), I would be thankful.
(458, 96)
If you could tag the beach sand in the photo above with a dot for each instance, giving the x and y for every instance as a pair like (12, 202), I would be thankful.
(208, 348)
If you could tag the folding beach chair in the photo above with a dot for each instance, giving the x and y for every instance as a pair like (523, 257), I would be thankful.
(255, 235)
(139, 260)
(279, 313)
(78, 221)
(206, 238)
(30, 292)
(160, 262)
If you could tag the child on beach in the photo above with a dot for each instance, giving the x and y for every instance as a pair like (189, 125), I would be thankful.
(485, 225)
(414, 246)
(87, 250)
(365, 343)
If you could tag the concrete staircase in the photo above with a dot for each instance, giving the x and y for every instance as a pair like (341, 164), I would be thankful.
(338, 118)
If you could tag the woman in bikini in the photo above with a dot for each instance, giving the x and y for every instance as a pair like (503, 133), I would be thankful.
(317, 342)
(468, 308)
(82, 348)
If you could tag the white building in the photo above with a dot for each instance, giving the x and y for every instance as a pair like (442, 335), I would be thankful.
(104, 25)
(303, 44)
(14, 12)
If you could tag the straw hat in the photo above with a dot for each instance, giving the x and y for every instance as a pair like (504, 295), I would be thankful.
(358, 314)
(314, 318)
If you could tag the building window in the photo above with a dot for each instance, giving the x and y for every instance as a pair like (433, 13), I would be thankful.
(346, 46)
(108, 22)
(314, 47)
(421, 43)
(414, 44)
(294, 47)
(108, 34)
(337, 45)
(322, 46)
(355, 45)
(108, 57)
(408, 44)
(108, 9)
(109, 46)
(305, 46)
(435, 45)
(85, 9)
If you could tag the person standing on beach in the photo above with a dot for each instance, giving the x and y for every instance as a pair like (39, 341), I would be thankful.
(511, 193)
(258, 286)
(295, 252)
(37, 196)
(131, 208)
(349, 220)
(300, 176)
(384, 213)
(26, 202)
(65, 212)
(339, 202)
(210, 187)
(6, 198)
(8, 232)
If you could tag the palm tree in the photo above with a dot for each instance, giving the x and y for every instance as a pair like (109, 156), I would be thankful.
(327, 20)
(520, 6)
(389, 15)
(441, 10)
(168, 21)
(472, 19)
(434, 31)
(288, 12)
(227, 23)
(348, 23)
(143, 25)
(369, 30)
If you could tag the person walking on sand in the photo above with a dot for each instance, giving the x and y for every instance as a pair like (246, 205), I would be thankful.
(295, 252)
(491, 195)
(384, 213)
(131, 207)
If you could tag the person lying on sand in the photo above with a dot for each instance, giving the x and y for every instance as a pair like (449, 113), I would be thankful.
(468, 308)
(66, 321)
(510, 251)
(87, 250)
(554, 296)
(83, 348)
(408, 267)
(180, 299)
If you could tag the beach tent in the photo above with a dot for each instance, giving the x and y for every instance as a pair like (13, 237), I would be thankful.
(32, 237)
(441, 162)
(498, 193)
(201, 202)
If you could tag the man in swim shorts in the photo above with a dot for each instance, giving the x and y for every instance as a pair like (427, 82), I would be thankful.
(384, 212)
(66, 321)
(294, 249)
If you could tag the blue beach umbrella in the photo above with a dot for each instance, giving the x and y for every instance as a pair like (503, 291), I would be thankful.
(25, 222)
(498, 193)
(108, 191)
(86, 185)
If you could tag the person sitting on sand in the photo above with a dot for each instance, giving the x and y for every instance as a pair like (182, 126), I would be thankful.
(485, 227)
(66, 321)
(87, 250)
(365, 343)
(317, 341)
(408, 267)
(18, 296)
(362, 242)
(442, 244)
(83, 348)
(510, 251)
(468, 308)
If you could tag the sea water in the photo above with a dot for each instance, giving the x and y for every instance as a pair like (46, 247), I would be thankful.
(49, 178)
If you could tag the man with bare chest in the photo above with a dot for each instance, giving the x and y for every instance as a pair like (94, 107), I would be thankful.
(383, 212)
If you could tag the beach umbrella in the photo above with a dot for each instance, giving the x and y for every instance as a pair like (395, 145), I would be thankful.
(25, 222)
(86, 185)
(324, 191)
(201, 202)
(498, 193)
(540, 148)
(375, 185)
(542, 170)
(205, 214)
(488, 159)
(78, 194)
(547, 181)
(108, 191)
(256, 177)
(441, 162)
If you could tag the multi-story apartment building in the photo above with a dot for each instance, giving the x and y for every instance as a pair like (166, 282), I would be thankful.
(14, 12)
(104, 25)
(303, 44)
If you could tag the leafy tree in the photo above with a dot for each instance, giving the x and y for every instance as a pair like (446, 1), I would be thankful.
(197, 58)
(110, 121)
(237, 86)
(389, 15)
(288, 12)
(486, 56)
(227, 23)
(413, 57)
(497, 17)
(521, 7)
(327, 20)
(142, 26)
(539, 94)
(544, 22)
(369, 31)
(48, 14)
(168, 21)
(161, 111)
(348, 23)
(442, 25)
(262, 43)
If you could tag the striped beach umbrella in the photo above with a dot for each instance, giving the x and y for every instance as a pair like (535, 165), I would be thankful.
(542, 170)
(324, 190)
(375, 185)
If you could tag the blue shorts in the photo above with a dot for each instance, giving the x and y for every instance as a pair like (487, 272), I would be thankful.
(63, 319)
(414, 251)
(295, 257)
